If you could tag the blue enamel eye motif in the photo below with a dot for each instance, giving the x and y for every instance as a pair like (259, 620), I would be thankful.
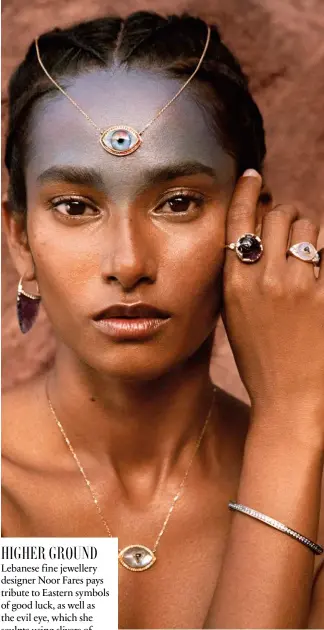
(120, 140)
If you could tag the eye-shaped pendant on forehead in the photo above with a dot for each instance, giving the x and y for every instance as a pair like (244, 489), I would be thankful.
(120, 140)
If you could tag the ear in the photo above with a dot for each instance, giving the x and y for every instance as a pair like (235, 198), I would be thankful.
(264, 205)
(15, 228)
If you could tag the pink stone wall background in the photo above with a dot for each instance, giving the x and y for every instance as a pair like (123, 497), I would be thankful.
(281, 47)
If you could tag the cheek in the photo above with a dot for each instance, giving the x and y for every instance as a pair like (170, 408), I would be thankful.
(194, 264)
(189, 259)
(65, 260)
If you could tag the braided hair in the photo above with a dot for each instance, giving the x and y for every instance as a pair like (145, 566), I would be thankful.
(171, 44)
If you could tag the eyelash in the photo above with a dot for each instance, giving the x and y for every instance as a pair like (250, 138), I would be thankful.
(53, 204)
(179, 194)
(195, 197)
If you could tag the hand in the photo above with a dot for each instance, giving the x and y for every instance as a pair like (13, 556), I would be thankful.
(274, 308)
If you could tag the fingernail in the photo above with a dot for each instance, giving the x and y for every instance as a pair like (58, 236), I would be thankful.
(251, 172)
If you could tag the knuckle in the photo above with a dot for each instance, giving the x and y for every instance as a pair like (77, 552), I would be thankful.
(300, 283)
(300, 287)
(306, 223)
(282, 211)
(286, 207)
(239, 210)
(270, 283)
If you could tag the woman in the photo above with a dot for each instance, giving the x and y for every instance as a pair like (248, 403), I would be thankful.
(128, 142)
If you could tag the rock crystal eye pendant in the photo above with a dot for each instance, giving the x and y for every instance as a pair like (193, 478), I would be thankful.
(120, 140)
(136, 558)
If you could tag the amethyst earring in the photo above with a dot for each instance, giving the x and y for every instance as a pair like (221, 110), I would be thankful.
(27, 307)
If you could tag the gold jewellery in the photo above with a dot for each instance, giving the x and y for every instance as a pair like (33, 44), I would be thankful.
(122, 140)
(134, 557)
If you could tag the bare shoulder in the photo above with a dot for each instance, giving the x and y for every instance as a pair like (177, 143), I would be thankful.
(28, 443)
(28, 437)
(17, 410)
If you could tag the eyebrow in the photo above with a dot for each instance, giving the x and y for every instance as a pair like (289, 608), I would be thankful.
(81, 175)
(157, 175)
(71, 175)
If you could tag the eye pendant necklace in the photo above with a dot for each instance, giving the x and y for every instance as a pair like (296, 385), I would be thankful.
(134, 557)
(122, 139)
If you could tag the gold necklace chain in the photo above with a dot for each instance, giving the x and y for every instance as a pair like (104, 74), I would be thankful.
(149, 560)
(160, 112)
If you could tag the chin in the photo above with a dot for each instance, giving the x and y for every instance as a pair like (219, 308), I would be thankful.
(141, 360)
(147, 362)
(137, 366)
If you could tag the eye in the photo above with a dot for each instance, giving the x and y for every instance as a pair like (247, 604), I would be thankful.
(181, 203)
(73, 207)
(120, 140)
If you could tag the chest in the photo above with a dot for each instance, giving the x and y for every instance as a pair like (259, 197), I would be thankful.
(177, 590)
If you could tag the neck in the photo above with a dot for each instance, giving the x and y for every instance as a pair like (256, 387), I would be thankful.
(136, 425)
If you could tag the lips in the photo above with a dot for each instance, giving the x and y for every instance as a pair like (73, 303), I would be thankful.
(131, 311)
(131, 322)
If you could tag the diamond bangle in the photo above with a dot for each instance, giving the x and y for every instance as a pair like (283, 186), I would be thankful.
(317, 549)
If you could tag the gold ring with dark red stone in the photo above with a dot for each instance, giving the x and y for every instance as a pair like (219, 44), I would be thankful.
(248, 248)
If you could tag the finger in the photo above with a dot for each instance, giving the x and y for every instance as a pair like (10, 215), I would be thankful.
(275, 232)
(241, 216)
(303, 230)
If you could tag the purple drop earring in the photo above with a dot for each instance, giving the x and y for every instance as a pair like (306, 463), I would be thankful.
(27, 307)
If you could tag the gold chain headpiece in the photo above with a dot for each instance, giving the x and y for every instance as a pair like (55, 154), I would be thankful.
(122, 139)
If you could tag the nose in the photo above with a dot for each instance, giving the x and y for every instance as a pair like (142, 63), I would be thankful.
(129, 257)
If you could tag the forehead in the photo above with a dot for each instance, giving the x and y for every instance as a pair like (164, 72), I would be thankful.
(185, 132)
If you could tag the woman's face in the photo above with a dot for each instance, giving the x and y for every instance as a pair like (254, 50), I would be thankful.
(148, 227)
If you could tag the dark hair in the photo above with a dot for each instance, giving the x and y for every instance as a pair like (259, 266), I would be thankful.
(173, 44)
